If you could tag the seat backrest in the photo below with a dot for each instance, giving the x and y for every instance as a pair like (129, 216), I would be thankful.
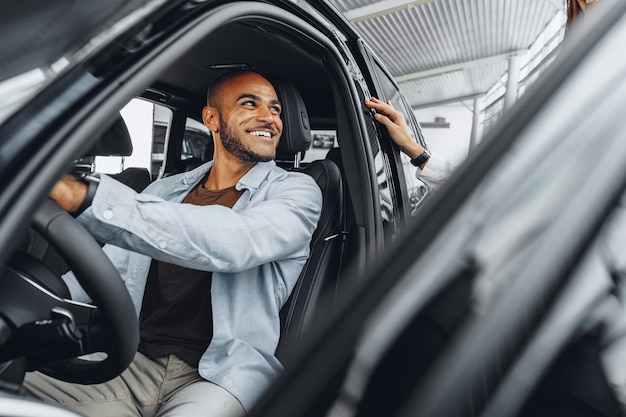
(319, 274)
(116, 141)
(297, 137)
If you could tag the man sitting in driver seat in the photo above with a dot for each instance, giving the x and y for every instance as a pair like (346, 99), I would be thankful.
(208, 276)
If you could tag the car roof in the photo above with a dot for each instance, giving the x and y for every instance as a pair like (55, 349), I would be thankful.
(31, 36)
(36, 48)
(257, 47)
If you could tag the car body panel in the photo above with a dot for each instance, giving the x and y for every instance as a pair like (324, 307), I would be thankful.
(500, 228)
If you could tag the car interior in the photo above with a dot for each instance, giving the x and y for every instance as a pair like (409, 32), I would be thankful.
(281, 54)
(311, 84)
(312, 100)
(309, 100)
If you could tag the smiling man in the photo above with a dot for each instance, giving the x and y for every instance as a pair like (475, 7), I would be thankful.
(208, 276)
(224, 99)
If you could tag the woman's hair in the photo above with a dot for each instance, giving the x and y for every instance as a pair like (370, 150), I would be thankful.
(572, 11)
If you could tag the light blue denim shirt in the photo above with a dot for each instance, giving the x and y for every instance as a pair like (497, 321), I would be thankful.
(256, 251)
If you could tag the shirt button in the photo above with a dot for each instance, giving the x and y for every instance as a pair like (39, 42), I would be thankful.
(107, 214)
(163, 244)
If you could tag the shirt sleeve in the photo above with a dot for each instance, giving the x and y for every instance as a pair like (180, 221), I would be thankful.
(436, 171)
(277, 225)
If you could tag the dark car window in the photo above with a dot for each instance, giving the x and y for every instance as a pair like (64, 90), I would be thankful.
(197, 146)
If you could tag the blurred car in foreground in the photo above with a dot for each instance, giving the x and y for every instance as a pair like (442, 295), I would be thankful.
(503, 296)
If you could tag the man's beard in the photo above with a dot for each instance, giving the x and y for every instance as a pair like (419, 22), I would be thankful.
(233, 145)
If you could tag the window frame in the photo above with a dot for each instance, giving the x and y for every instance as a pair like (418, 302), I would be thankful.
(400, 174)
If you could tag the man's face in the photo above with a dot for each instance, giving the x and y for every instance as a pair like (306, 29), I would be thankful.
(250, 124)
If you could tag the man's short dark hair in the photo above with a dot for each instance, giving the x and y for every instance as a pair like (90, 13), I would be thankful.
(213, 95)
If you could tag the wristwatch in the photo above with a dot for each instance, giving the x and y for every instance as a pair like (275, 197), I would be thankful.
(92, 182)
(421, 159)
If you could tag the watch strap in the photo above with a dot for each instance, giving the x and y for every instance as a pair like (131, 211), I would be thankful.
(92, 182)
(421, 159)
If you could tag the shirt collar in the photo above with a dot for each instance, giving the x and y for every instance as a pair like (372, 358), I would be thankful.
(252, 179)
(255, 176)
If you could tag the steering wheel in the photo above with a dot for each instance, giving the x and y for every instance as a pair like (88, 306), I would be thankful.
(114, 329)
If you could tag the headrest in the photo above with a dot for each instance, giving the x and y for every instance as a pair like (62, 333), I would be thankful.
(207, 151)
(296, 136)
(114, 141)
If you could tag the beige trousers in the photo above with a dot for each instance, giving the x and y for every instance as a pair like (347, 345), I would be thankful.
(166, 387)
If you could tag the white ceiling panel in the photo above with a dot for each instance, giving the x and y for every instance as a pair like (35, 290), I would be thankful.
(442, 50)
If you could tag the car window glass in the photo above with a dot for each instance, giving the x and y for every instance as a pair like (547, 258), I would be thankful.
(36, 48)
(322, 142)
(388, 208)
(415, 188)
(138, 116)
(386, 202)
(160, 131)
(197, 146)
(19, 88)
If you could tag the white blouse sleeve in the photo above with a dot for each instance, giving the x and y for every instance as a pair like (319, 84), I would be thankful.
(436, 171)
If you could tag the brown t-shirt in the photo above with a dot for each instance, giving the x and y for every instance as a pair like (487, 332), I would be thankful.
(176, 314)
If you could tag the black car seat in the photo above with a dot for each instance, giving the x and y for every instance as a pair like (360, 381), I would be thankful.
(207, 155)
(319, 274)
(114, 141)
(349, 249)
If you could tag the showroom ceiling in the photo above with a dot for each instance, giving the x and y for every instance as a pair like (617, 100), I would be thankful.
(442, 51)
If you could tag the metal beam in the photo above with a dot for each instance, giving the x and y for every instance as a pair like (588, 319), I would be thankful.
(445, 101)
(381, 8)
(512, 83)
(558, 4)
(456, 67)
